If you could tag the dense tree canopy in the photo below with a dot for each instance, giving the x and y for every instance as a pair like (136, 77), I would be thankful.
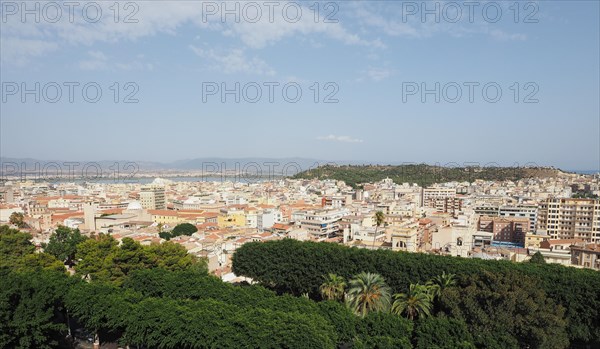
(442, 333)
(537, 258)
(507, 310)
(180, 229)
(17, 253)
(63, 244)
(158, 296)
(297, 267)
(422, 174)
(18, 219)
(103, 259)
(31, 310)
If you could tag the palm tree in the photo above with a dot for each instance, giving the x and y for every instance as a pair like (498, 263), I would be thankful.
(442, 282)
(333, 287)
(379, 219)
(368, 292)
(414, 304)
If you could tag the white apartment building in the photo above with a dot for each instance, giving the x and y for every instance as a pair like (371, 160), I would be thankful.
(267, 218)
(252, 219)
(323, 223)
(430, 195)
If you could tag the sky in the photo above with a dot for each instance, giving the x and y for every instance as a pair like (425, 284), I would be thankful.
(379, 81)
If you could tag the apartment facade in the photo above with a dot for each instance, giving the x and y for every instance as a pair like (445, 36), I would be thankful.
(505, 229)
(570, 218)
(431, 194)
(586, 255)
(528, 211)
(323, 223)
(152, 198)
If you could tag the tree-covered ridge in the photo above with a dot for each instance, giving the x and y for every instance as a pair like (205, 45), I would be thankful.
(485, 287)
(423, 174)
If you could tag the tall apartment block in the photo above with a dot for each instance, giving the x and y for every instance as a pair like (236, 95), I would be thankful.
(152, 198)
(570, 219)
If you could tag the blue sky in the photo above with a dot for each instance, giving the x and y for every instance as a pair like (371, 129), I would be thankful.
(374, 52)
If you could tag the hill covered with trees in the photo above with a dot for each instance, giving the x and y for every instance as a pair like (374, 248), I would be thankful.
(423, 174)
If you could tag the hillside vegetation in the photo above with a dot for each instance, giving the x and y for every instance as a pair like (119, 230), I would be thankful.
(423, 174)
(532, 305)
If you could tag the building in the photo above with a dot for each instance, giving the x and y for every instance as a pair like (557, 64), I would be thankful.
(267, 218)
(364, 233)
(336, 201)
(487, 210)
(7, 193)
(528, 211)
(505, 229)
(571, 219)
(231, 217)
(323, 223)
(447, 205)
(405, 239)
(557, 251)
(533, 240)
(431, 194)
(152, 197)
(586, 255)
(166, 217)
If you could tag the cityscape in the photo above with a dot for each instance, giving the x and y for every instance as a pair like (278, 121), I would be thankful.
(299, 174)
(557, 216)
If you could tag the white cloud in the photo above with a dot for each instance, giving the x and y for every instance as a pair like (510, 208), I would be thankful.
(503, 36)
(166, 17)
(378, 74)
(389, 27)
(343, 139)
(97, 60)
(234, 61)
(19, 51)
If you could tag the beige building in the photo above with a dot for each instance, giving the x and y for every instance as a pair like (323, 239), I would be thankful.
(586, 255)
(431, 195)
(533, 240)
(557, 251)
(405, 239)
(571, 219)
(153, 198)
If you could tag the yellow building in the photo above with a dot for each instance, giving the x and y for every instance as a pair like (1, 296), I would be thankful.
(231, 218)
(533, 241)
(170, 218)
